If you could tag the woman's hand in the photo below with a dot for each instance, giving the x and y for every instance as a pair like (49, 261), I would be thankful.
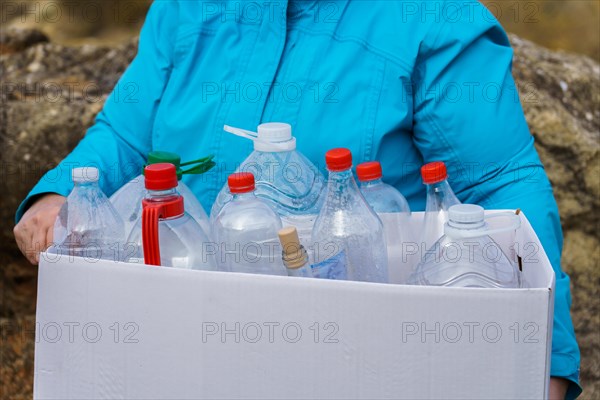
(558, 388)
(35, 230)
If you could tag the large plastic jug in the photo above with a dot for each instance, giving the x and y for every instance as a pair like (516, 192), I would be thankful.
(128, 199)
(166, 234)
(286, 179)
(466, 256)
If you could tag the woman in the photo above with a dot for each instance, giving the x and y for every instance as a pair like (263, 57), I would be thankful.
(401, 82)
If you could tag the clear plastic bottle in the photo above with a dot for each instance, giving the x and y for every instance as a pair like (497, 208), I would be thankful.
(393, 210)
(245, 231)
(87, 224)
(382, 198)
(294, 254)
(440, 198)
(466, 256)
(128, 199)
(347, 228)
(166, 234)
(286, 179)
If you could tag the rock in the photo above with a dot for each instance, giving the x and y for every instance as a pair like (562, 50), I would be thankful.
(50, 96)
(46, 108)
(560, 93)
(14, 40)
(75, 22)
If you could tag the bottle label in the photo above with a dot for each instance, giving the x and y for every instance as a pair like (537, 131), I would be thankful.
(331, 268)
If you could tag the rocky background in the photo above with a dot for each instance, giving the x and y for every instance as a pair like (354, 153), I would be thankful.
(51, 93)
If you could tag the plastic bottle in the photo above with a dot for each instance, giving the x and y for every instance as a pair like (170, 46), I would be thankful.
(466, 256)
(166, 234)
(286, 179)
(87, 224)
(294, 254)
(347, 228)
(393, 210)
(245, 231)
(382, 198)
(128, 199)
(440, 198)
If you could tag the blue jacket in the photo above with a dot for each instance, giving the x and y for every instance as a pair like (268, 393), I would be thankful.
(400, 82)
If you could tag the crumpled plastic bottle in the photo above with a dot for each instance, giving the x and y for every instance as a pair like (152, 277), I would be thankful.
(348, 237)
(87, 224)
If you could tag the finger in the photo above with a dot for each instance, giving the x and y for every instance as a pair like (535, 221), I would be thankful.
(24, 238)
(49, 237)
(37, 245)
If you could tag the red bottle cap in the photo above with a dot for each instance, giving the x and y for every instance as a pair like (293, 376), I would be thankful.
(434, 172)
(338, 159)
(241, 182)
(368, 171)
(161, 176)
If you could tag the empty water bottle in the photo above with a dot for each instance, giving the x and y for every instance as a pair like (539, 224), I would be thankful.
(466, 256)
(87, 224)
(294, 255)
(382, 198)
(166, 234)
(128, 199)
(286, 179)
(245, 231)
(393, 210)
(347, 233)
(440, 198)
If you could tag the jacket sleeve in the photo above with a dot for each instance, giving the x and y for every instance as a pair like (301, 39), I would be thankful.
(121, 136)
(467, 113)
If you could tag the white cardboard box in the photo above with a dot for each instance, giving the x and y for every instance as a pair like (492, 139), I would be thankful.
(114, 330)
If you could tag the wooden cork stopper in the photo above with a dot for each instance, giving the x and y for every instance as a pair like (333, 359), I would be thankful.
(294, 254)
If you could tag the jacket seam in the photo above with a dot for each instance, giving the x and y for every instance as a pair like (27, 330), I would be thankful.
(368, 47)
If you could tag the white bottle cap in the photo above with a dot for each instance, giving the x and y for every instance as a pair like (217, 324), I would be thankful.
(466, 214)
(85, 174)
(271, 136)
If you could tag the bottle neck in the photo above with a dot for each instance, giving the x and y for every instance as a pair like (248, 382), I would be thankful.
(467, 225)
(341, 186)
(441, 194)
(296, 258)
(266, 146)
(162, 195)
(244, 196)
(374, 182)
(340, 176)
(86, 184)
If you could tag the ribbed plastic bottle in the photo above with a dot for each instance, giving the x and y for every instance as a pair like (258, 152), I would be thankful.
(440, 198)
(245, 231)
(128, 199)
(466, 255)
(87, 224)
(166, 234)
(286, 179)
(294, 255)
(347, 229)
